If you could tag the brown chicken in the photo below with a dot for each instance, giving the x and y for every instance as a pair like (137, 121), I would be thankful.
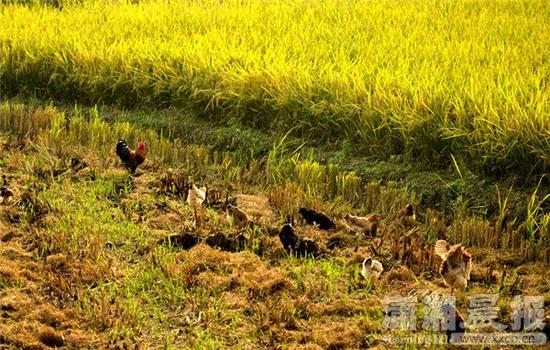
(131, 158)
(407, 217)
(238, 217)
(361, 220)
(456, 266)
(367, 225)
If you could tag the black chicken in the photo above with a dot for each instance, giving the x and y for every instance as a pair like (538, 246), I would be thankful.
(307, 247)
(300, 246)
(288, 237)
(313, 217)
(185, 240)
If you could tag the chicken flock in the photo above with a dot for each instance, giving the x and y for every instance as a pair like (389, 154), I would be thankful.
(456, 260)
(455, 264)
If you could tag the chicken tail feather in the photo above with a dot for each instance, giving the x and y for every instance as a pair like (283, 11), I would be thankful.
(441, 248)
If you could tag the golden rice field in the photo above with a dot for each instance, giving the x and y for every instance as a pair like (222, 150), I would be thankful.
(427, 79)
(427, 119)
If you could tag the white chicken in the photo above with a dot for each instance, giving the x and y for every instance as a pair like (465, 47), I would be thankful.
(372, 269)
(195, 198)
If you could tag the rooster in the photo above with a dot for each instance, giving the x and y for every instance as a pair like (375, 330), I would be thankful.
(195, 198)
(131, 158)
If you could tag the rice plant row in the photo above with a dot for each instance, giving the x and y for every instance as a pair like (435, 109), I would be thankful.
(428, 79)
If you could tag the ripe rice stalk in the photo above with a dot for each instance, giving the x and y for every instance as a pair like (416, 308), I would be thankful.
(332, 171)
(310, 176)
(349, 186)
(428, 80)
